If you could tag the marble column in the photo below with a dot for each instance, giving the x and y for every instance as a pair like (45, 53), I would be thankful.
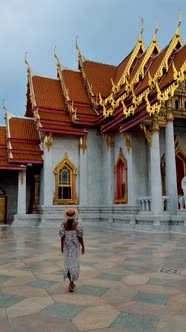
(109, 139)
(21, 200)
(48, 175)
(130, 176)
(170, 161)
(83, 176)
(155, 173)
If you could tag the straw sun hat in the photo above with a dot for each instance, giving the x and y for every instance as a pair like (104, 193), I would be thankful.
(71, 213)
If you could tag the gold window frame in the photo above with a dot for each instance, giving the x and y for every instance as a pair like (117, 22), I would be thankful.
(73, 172)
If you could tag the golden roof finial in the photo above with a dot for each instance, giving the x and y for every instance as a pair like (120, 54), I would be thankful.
(77, 47)
(155, 33)
(142, 30)
(142, 25)
(5, 109)
(57, 59)
(80, 59)
(157, 28)
(179, 23)
(27, 63)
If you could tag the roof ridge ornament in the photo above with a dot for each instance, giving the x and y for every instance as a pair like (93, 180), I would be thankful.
(179, 24)
(176, 40)
(141, 69)
(87, 84)
(57, 59)
(5, 110)
(27, 63)
(140, 38)
(79, 52)
(155, 33)
(29, 77)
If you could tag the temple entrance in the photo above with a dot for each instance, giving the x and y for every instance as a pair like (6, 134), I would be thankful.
(180, 174)
(3, 207)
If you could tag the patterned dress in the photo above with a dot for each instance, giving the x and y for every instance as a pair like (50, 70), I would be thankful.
(71, 251)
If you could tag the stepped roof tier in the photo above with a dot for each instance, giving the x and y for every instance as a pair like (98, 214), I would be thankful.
(4, 164)
(22, 141)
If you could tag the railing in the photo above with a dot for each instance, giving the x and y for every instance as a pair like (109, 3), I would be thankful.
(145, 203)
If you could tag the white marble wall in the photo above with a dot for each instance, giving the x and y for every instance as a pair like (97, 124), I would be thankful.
(70, 145)
(96, 168)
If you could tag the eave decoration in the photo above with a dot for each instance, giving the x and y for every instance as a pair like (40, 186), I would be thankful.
(31, 95)
(88, 87)
(152, 98)
(70, 105)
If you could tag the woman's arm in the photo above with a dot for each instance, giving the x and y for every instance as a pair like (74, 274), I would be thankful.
(62, 243)
(81, 241)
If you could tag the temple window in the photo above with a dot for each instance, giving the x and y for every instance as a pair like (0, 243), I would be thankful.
(177, 104)
(65, 182)
(121, 194)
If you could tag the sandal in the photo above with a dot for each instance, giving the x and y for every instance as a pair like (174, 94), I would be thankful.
(70, 289)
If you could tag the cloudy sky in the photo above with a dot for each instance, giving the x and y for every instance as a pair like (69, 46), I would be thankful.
(107, 31)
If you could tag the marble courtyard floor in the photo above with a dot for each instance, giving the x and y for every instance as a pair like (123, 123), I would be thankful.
(129, 281)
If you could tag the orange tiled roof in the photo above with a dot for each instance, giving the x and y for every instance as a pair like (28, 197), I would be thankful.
(61, 129)
(86, 111)
(25, 146)
(3, 153)
(2, 135)
(24, 140)
(180, 57)
(48, 93)
(138, 63)
(4, 164)
(99, 76)
(75, 86)
(23, 129)
(59, 116)
(24, 157)
(121, 68)
(153, 67)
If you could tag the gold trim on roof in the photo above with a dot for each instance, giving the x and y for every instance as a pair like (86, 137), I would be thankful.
(126, 72)
(37, 119)
(174, 42)
(141, 70)
(29, 78)
(69, 103)
(151, 109)
(124, 79)
(88, 86)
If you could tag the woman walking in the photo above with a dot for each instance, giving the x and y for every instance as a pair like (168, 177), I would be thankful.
(71, 233)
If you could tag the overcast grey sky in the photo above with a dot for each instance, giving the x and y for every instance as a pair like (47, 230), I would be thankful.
(107, 31)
